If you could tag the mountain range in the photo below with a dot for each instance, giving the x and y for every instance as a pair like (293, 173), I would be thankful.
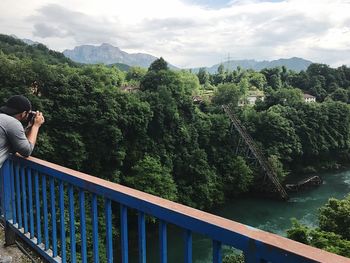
(26, 40)
(111, 55)
(296, 64)
(108, 54)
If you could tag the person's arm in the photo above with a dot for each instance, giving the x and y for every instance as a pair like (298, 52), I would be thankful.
(32, 134)
(21, 142)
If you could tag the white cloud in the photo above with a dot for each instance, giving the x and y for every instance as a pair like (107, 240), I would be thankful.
(189, 35)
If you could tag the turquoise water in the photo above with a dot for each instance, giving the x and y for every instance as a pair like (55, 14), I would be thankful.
(269, 215)
(274, 216)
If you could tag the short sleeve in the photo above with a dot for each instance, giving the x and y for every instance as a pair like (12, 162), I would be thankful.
(18, 140)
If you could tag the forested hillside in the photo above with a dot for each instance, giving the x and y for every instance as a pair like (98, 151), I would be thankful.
(142, 128)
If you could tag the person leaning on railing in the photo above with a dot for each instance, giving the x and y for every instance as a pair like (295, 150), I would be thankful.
(13, 138)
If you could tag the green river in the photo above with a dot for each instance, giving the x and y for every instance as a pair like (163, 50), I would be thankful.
(269, 215)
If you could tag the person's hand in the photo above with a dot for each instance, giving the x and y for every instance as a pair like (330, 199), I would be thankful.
(39, 119)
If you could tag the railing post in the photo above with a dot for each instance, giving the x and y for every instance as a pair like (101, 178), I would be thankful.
(188, 246)
(163, 244)
(217, 253)
(10, 235)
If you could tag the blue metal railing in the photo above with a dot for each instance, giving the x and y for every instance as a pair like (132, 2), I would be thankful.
(47, 206)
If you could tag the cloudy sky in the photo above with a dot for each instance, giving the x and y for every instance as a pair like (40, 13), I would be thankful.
(189, 33)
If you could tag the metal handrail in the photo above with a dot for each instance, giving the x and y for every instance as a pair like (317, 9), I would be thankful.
(17, 173)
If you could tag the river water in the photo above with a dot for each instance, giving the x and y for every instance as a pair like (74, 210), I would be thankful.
(274, 216)
(269, 215)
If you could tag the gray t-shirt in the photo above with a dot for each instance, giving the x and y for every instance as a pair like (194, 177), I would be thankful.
(12, 138)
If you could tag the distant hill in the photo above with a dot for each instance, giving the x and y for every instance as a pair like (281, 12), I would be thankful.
(35, 51)
(26, 40)
(120, 66)
(108, 54)
(296, 64)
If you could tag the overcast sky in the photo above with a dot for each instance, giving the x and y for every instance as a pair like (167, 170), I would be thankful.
(189, 33)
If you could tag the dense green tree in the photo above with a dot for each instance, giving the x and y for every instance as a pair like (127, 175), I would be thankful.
(203, 76)
(220, 76)
(257, 80)
(333, 233)
(283, 96)
(321, 239)
(275, 132)
(135, 73)
(150, 176)
(238, 176)
(273, 77)
(228, 93)
(335, 217)
(158, 64)
(340, 95)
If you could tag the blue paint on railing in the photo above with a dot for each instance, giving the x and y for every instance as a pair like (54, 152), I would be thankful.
(30, 200)
(18, 197)
(217, 253)
(6, 196)
(124, 233)
(24, 200)
(163, 242)
(188, 246)
(73, 255)
(37, 207)
(142, 237)
(53, 217)
(45, 211)
(17, 171)
(13, 196)
(94, 228)
(82, 225)
(62, 223)
(109, 239)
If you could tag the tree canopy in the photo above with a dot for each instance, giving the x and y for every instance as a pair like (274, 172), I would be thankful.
(94, 125)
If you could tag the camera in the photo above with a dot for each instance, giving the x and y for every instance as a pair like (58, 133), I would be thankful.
(31, 116)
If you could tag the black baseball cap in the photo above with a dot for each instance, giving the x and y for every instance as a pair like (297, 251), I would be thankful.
(16, 104)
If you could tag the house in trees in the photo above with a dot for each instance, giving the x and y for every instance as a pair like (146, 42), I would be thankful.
(197, 99)
(129, 88)
(309, 98)
(251, 97)
(205, 95)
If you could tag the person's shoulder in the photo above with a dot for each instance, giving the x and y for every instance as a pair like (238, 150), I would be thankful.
(7, 120)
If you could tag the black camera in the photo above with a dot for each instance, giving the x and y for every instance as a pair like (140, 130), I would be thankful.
(31, 117)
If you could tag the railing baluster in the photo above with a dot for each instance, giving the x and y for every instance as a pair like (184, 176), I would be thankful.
(13, 195)
(72, 224)
(124, 233)
(18, 197)
(163, 242)
(94, 228)
(37, 207)
(188, 246)
(142, 237)
(109, 240)
(30, 196)
(53, 217)
(63, 228)
(24, 200)
(82, 225)
(217, 254)
(46, 224)
(250, 257)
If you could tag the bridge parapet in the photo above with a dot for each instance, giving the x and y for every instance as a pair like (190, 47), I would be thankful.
(43, 203)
